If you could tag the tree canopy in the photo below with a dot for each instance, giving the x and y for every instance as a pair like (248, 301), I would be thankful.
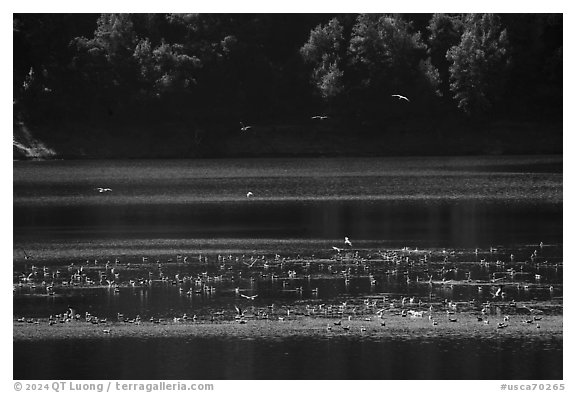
(207, 72)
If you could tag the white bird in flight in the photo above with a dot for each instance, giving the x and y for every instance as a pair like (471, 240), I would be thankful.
(249, 297)
(347, 242)
(400, 97)
(244, 128)
(322, 117)
(101, 189)
(249, 194)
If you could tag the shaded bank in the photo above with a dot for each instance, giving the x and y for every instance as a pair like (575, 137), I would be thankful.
(328, 138)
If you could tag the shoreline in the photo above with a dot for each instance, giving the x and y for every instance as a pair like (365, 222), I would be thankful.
(396, 327)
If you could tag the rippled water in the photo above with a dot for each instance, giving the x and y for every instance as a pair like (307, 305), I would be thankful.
(427, 215)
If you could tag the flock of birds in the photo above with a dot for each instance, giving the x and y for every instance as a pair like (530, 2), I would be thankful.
(244, 128)
(342, 316)
(393, 283)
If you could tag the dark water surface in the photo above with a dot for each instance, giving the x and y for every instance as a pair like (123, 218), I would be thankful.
(446, 208)
(291, 358)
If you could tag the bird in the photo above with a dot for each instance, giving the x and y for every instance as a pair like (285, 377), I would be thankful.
(400, 97)
(498, 292)
(347, 242)
(250, 264)
(319, 117)
(249, 297)
(244, 128)
(26, 256)
(239, 312)
(337, 249)
(102, 189)
(249, 194)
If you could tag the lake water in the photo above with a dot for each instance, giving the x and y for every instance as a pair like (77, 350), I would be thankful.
(456, 219)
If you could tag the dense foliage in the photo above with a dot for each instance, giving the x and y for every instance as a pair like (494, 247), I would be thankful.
(197, 76)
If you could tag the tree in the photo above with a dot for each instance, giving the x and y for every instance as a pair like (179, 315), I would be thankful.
(324, 50)
(535, 77)
(104, 68)
(379, 56)
(445, 32)
(41, 45)
(478, 64)
(388, 57)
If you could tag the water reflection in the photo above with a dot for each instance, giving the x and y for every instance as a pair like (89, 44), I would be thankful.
(297, 358)
(179, 239)
(433, 224)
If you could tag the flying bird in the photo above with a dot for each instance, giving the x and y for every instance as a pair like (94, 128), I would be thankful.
(347, 242)
(249, 297)
(319, 117)
(249, 194)
(337, 249)
(400, 97)
(101, 189)
(250, 264)
(244, 128)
